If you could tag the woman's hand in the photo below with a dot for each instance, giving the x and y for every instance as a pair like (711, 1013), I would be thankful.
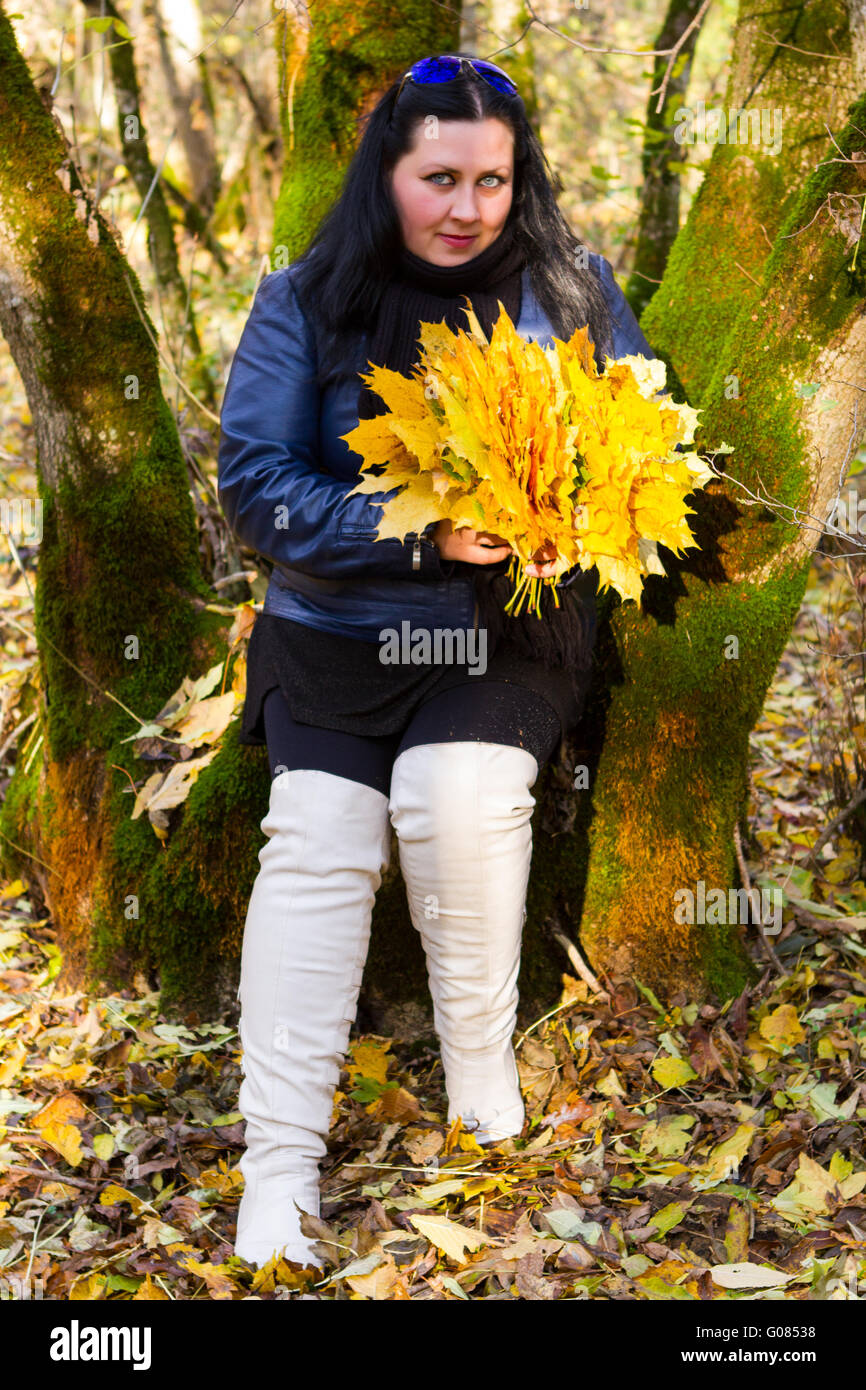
(485, 548)
(478, 547)
(543, 563)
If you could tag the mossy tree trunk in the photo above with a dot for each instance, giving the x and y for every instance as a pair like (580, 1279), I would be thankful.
(759, 296)
(121, 601)
(715, 266)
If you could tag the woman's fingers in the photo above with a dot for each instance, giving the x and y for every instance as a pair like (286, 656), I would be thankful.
(481, 547)
(491, 554)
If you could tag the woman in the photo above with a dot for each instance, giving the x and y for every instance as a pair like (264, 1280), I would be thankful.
(448, 196)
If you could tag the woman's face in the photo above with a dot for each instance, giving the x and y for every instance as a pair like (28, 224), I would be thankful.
(453, 188)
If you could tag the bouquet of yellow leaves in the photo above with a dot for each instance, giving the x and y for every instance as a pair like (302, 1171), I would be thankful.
(535, 445)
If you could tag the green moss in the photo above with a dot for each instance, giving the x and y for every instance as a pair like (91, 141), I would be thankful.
(673, 769)
(17, 811)
(98, 591)
(752, 192)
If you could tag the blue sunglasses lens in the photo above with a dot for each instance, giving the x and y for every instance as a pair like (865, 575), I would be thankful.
(436, 70)
(447, 67)
(498, 79)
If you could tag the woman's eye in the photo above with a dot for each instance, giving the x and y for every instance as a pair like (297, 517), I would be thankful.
(496, 179)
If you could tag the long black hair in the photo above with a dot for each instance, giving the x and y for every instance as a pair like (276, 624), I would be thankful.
(351, 255)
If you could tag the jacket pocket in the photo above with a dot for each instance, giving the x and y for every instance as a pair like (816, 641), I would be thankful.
(354, 530)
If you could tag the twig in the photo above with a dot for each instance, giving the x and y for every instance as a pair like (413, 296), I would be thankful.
(53, 1176)
(19, 729)
(675, 50)
(747, 275)
(168, 366)
(833, 57)
(153, 183)
(566, 1004)
(580, 965)
(828, 833)
(747, 884)
(246, 575)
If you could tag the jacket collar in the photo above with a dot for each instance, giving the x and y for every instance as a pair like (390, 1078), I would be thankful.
(532, 322)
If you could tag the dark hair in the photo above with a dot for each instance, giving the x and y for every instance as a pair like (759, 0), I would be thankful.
(351, 255)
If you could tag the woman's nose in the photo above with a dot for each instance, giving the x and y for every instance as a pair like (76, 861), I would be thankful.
(464, 206)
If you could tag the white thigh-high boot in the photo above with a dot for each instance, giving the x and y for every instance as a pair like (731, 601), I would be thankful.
(462, 816)
(305, 944)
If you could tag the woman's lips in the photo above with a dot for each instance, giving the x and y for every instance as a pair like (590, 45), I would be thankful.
(456, 240)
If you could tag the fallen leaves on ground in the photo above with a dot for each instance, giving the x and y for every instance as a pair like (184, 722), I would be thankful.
(120, 1141)
(694, 1153)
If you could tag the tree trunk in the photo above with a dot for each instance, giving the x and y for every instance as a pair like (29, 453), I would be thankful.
(192, 103)
(712, 275)
(743, 324)
(179, 319)
(659, 216)
(120, 603)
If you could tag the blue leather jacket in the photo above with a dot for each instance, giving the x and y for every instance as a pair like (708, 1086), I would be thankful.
(284, 472)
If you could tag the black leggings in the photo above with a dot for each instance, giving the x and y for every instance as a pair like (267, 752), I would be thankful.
(492, 712)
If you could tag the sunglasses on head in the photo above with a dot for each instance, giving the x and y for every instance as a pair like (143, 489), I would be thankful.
(447, 66)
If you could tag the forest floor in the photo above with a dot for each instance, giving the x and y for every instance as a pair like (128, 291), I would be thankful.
(694, 1153)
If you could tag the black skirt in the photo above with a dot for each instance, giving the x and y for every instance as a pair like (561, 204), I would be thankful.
(337, 682)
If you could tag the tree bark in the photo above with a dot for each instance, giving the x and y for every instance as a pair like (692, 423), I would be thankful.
(744, 322)
(120, 608)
